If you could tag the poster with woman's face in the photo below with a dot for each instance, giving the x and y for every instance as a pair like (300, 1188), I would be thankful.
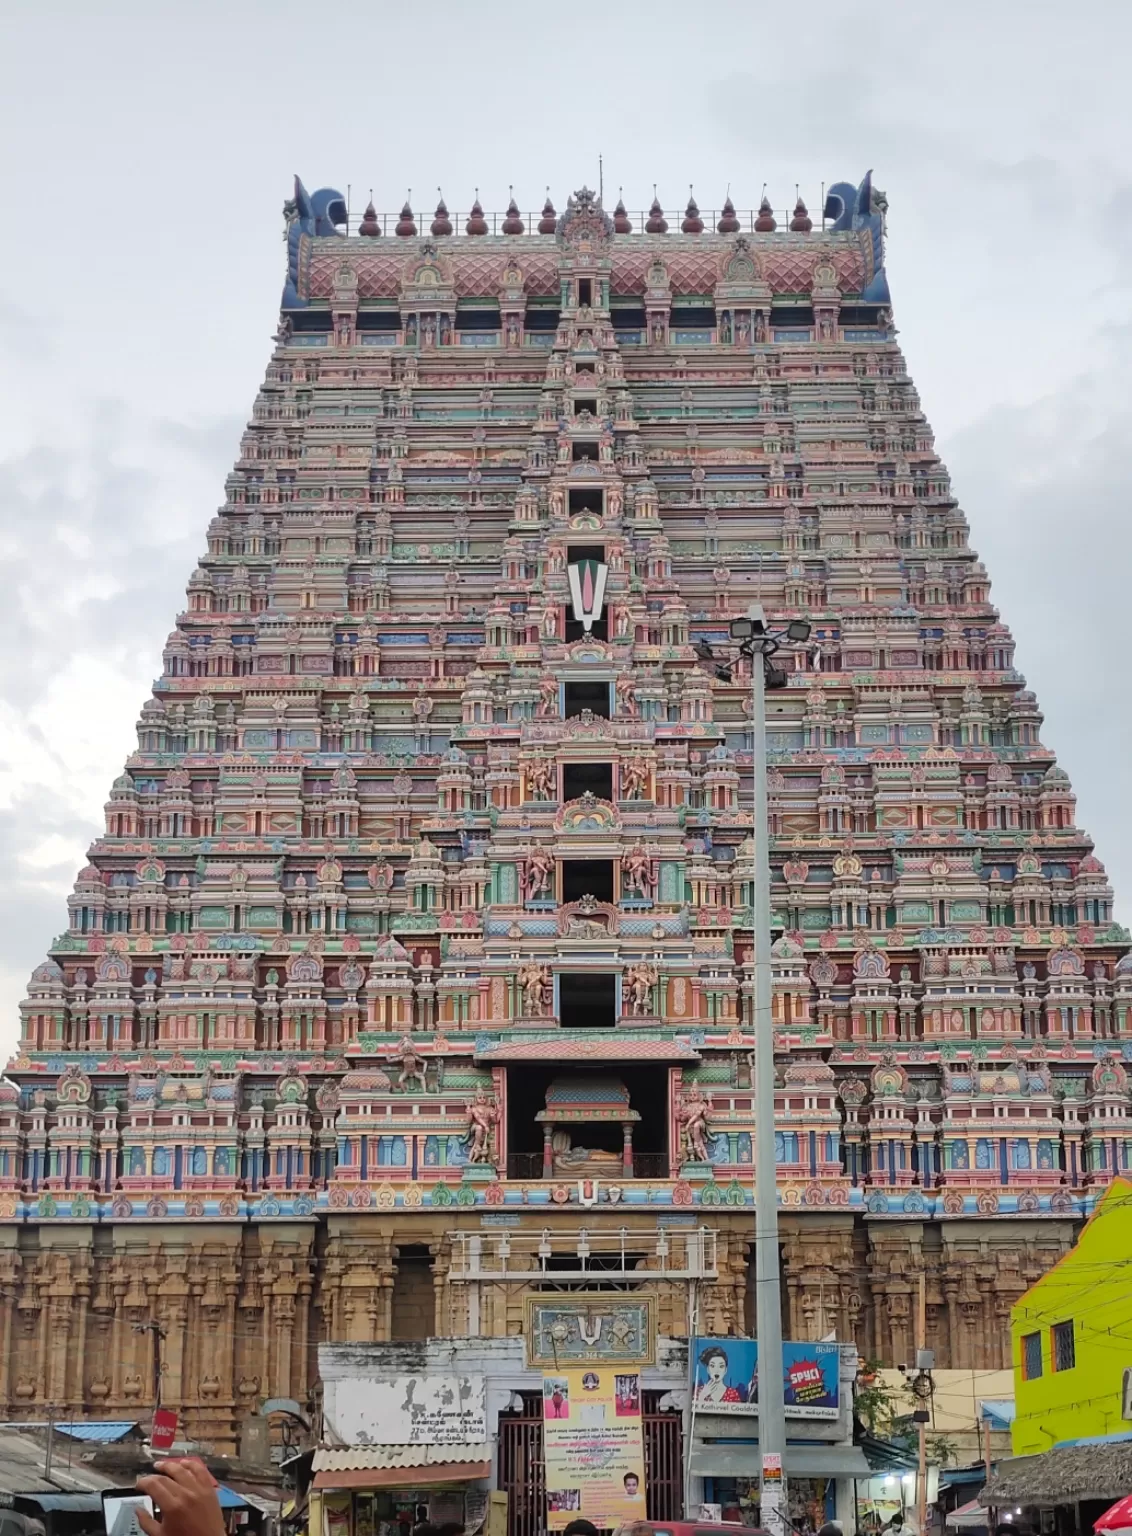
(725, 1378)
(722, 1372)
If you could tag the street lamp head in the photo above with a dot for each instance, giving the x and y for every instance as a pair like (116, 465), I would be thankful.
(798, 629)
(742, 629)
(704, 651)
(774, 677)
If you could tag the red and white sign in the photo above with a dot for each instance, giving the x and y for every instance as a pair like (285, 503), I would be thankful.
(164, 1429)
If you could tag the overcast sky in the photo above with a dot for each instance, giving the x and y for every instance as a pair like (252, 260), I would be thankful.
(147, 151)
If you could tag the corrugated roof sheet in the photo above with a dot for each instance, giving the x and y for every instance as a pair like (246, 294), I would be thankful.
(101, 1431)
(21, 1466)
(67, 1503)
(368, 1458)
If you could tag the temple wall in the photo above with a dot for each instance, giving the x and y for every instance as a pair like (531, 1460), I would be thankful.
(244, 1308)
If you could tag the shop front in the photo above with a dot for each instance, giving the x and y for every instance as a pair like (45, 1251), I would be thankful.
(821, 1461)
(421, 1426)
(384, 1490)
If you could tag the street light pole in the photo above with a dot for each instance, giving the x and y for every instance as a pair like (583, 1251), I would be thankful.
(759, 646)
(768, 1277)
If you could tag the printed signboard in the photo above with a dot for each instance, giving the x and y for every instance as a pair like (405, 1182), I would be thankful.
(725, 1378)
(593, 1446)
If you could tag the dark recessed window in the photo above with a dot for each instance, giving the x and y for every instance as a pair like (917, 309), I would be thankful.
(585, 290)
(1031, 1356)
(486, 319)
(587, 501)
(587, 877)
(541, 320)
(586, 1001)
(1062, 1353)
(379, 320)
(582, 778)
(696, 317)
(629, 319)
(583, 696)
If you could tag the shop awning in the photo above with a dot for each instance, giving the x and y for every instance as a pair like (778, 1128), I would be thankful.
(64, 1503)
(811, 1460)
(1065, 1475)
(968, 1517)
(400, 1466)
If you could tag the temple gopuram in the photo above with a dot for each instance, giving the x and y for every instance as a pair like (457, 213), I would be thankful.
(412, 972)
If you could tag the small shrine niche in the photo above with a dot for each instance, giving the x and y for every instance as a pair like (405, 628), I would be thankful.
(580, 1115)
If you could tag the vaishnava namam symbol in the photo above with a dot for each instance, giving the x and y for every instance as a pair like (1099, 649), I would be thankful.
(587, 590)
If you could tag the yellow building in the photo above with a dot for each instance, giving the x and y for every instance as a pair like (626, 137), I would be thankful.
(1072, 1336)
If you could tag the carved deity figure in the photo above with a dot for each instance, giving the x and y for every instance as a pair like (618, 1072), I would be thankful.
(540, 779)
(639, 982)
(638, 873)
(483, 1116)
(692, 1115)
(634, 779)
(540, 867)
(547, 699)
(534, 979)
(412, 1066)
(627, 696)
(570, 1159)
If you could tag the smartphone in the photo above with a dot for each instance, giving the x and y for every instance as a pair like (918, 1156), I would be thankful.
(119, 1511)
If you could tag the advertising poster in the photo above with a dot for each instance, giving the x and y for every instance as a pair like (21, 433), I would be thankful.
(593, 1447)
(725, 1378)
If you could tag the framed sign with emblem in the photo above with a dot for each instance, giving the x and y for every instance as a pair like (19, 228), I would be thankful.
(569, 1330)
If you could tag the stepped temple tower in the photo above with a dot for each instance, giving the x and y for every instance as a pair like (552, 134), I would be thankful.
(413, 965)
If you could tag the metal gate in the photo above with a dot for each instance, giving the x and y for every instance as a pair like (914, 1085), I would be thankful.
(664, 1460)
(522, 1473)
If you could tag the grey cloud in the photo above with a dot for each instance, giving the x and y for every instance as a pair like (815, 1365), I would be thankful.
(92, 553)
(1048, 496)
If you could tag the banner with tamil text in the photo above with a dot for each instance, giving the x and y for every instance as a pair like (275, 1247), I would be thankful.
(593, 1447)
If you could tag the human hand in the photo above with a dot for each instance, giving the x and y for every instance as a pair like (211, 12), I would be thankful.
(185, 1493)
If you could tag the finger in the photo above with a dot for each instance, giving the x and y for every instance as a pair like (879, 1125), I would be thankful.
(165, 1493)
(192, 1467)
(177, 1472)
(149, 1523)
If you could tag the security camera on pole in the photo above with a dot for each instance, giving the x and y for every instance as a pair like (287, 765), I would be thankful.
(759, 645)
